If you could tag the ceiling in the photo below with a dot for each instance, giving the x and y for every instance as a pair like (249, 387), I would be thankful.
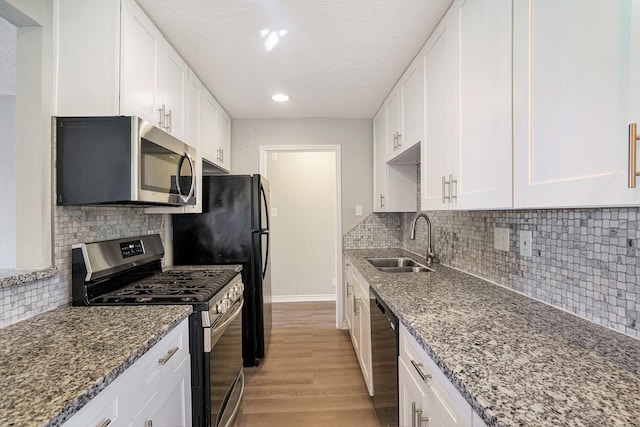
(334, 58)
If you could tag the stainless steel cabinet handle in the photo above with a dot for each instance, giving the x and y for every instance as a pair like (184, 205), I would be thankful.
(168, 356)
(105, 423)
(395, 141)
(168, 121)
(418, 367)
(633, 143)
(398, 139)
(222, 155)
(452, 194)
(150, 423)
(416, 415)
(382, 201)
(446, 198)
(161, 122)
(356, 302)
(413, 414)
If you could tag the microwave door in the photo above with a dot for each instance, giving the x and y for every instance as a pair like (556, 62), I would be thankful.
(185, 181)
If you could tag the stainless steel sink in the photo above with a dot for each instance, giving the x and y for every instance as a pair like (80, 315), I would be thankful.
(398, 265)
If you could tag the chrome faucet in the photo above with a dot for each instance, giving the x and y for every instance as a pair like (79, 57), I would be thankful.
(431, 256)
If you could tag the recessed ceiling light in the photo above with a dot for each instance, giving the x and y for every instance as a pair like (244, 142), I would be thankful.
(280, 97)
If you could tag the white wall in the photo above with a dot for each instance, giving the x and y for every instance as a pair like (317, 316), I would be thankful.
(303, 238)
(33, 112)
(354, 137)
(8, 37)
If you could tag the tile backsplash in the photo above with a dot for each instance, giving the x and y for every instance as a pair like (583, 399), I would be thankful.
(73, 225)
(586, 261)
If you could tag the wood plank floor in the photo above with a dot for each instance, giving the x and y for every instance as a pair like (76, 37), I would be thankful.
(310, 376)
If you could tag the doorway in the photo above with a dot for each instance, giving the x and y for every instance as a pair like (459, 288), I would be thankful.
(306, 231)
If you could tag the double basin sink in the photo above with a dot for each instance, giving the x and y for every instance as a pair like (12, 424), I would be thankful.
(398, 265)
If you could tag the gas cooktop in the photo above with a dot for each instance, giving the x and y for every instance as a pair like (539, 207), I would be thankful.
(172, 286)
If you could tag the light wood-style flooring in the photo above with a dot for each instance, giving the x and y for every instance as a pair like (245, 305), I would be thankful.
(310, 376)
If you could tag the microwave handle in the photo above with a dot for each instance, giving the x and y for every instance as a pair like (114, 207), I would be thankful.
(193, 181)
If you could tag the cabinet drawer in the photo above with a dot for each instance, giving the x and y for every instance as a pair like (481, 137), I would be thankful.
(112, 407)
(162, 360)
(446, 404)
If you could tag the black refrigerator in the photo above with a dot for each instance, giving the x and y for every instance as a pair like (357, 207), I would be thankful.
(233, 228)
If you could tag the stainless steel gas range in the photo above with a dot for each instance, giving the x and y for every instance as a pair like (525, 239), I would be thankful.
(129, 271)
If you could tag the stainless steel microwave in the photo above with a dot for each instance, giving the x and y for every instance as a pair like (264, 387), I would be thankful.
(121, 160)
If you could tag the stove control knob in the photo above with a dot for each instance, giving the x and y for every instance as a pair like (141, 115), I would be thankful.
(222, 306)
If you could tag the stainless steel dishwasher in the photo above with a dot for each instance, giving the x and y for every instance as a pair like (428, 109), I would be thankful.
(384, 358)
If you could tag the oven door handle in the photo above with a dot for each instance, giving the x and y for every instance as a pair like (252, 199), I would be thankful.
(218, 330)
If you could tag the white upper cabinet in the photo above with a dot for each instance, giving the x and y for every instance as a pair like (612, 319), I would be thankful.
(209, 128)
(380, 168)
(405, 112)
(215, 134)
(140, 43)
(173, 76)
(441, 64)
(484, 159)
(393, 105)
(576, 74)
(224, 139)
(112, 60)
(467, 155)
(412, 85)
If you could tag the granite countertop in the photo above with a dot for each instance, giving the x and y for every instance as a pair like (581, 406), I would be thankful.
(13, 277)
(52, 364)
(516, 360)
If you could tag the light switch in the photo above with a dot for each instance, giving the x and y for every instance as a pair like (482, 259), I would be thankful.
(501, 239)
(358, 210)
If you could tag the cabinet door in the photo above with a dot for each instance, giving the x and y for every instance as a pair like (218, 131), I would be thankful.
(224, 140)
(380, 168)
(194, 104)
(209, 128)
(364, 356)
(170, 406)
(412, 105)
(441, 63)
(140, 41)
(483, 159)
(574, 71)
(171, 91)
(393, 106)
(412, 395)
(356, 323)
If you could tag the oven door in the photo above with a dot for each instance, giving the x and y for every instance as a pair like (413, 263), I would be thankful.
(224, 358)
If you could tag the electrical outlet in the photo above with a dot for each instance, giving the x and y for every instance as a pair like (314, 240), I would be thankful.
(501, 239)
(526, 242)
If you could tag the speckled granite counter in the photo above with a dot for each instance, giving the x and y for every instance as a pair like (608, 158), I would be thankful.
(54, 363)
(517, 361)
(12, 277)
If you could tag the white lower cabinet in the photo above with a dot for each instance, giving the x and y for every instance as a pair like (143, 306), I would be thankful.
(171, 405)
(360, 320)
(156, 389)
(425, 392)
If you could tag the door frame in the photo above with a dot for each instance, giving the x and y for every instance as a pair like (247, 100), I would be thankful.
(336, 150)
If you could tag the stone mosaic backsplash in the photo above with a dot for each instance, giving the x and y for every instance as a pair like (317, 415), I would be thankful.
(585, 261)
(73, 225)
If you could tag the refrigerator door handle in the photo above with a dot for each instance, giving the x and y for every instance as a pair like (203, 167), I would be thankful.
(266, 257)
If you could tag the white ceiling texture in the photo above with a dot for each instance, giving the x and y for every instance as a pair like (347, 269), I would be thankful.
(334, 58)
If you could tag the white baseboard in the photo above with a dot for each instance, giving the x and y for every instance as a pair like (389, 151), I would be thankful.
(303, 298)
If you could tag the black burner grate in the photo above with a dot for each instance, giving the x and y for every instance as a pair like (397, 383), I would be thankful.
(173, 286)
